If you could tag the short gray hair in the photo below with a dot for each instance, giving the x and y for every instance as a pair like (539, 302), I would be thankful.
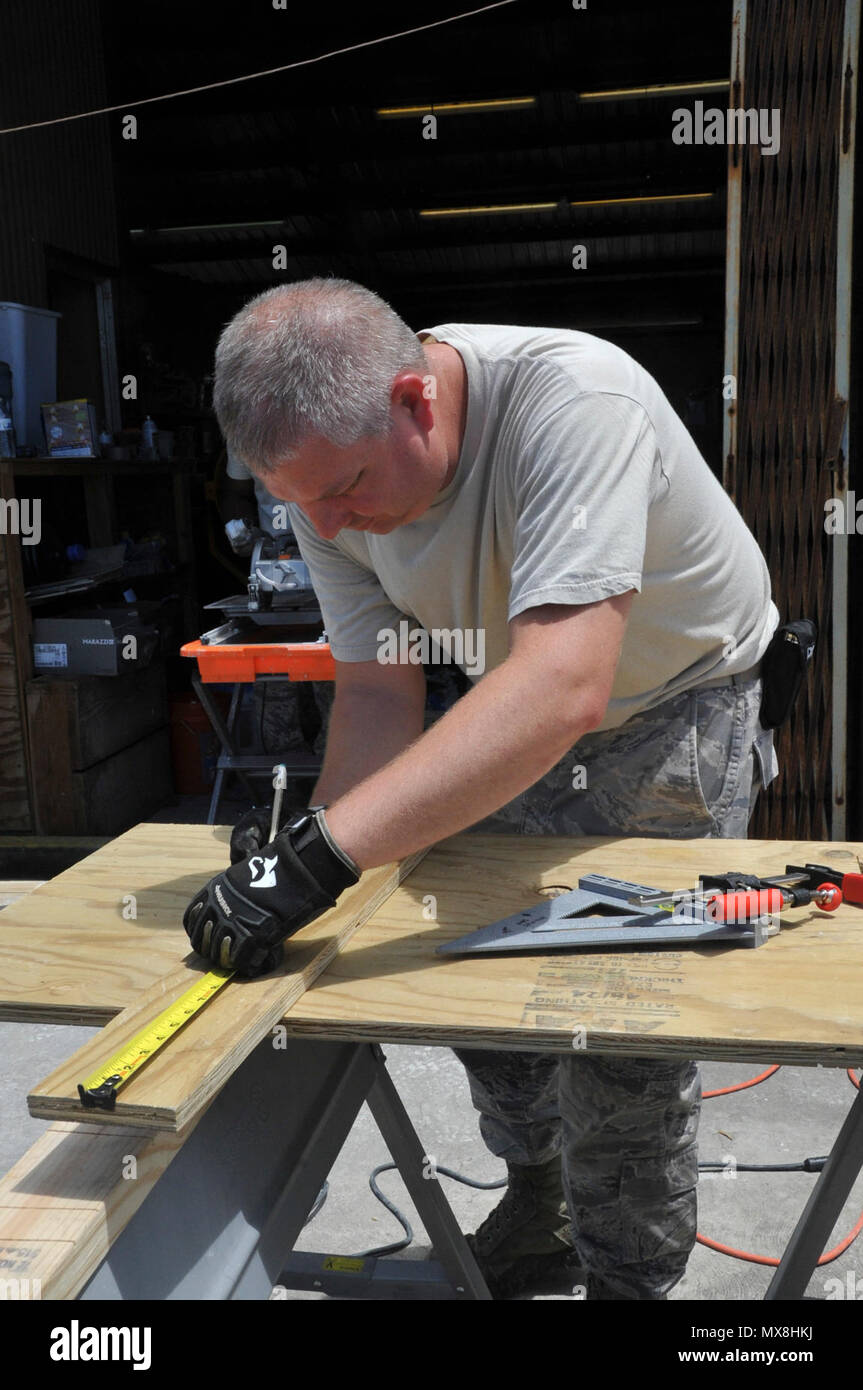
(314, 358)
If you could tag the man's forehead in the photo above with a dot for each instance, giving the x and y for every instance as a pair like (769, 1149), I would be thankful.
(314, 473)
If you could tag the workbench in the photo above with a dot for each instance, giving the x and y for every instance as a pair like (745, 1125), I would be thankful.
(65, 957)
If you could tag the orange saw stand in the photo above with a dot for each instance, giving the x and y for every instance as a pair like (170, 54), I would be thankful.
(226, 655)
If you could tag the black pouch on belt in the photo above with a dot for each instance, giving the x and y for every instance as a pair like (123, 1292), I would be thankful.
(783, 667)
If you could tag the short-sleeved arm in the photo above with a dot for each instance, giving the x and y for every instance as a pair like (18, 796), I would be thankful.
(354, 605)
(584, 482)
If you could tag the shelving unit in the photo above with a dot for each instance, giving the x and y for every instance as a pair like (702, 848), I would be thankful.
(18, 800)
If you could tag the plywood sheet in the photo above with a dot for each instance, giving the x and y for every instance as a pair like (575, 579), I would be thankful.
(798, 999)
(92, 939)
(182, 1077)
(11, 889)
(68, 1198)
(67, 954)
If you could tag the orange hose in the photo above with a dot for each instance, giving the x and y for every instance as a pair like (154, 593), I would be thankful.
(829, 1255)
(741, 1085)
(826, 1258)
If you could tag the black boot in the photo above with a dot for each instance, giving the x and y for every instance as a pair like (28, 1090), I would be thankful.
(525, 1242)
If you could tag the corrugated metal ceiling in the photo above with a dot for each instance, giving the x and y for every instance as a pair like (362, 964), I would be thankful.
(342, 189)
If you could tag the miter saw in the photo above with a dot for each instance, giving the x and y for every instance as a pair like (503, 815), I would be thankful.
(279, 588)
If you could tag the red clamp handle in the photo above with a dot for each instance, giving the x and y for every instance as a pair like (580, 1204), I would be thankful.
(743, 906)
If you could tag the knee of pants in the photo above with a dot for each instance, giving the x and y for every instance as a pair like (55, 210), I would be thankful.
(512, 1083)
(648, 1215)
(659, 1205)
(628, 1104)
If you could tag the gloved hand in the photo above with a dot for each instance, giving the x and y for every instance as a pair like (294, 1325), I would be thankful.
(241, 917)
(252, 832)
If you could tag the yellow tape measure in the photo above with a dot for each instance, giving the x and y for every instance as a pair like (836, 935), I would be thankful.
(99, 1090)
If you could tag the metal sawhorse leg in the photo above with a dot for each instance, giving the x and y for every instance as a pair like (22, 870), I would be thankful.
(222, 1220)
(820, 1214)
(231, 760)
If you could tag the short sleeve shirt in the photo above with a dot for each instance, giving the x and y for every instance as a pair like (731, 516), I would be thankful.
(576, 481)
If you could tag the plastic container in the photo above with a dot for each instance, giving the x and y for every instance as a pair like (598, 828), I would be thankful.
(148, 438)
(7, 430)
(28, 342)
(194, 746)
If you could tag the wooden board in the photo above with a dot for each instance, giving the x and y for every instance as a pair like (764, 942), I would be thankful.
(14, 795)
(68, 1198)
(65, 952)
(11, 889)
(798, 999)
(172, 1089)
(16, 667)
(108, 796)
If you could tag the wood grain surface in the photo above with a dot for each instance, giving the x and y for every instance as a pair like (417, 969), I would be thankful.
(64, 952)
(798, 999)
(67, 954)
(68, 1198)
(11, 889)
(179, 1080)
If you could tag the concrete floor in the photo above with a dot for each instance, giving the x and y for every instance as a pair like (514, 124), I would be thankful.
(794, 1115)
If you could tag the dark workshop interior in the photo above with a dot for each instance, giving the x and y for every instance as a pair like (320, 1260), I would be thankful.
(128, 240)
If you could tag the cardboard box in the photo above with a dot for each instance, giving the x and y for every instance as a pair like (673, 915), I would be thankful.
(107, 643)
(71, 431)
(80, 720)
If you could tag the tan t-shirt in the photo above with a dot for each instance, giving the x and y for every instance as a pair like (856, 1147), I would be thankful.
(576, 481)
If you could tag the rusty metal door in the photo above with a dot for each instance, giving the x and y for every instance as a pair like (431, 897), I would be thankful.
(788, 307)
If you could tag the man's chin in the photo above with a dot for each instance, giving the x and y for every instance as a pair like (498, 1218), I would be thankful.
(378, 525)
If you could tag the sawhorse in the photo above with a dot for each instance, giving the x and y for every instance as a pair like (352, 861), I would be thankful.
(223, 1219)
(821, 1212)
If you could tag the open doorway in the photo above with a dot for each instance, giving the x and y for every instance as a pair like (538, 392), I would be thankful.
(81, 291)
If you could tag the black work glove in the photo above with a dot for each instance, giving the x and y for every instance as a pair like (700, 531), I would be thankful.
(239, 920)
(252, 832)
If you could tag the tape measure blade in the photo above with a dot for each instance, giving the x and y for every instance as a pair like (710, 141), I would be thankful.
(127, 1060)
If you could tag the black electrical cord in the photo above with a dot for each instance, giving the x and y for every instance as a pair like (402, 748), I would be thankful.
(400, 1216)
(318, 1203)
(809, 1165)
(806, 1165)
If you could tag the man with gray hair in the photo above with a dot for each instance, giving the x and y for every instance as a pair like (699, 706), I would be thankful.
(536, 486)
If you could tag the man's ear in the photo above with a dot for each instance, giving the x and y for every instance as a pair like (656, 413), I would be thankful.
(410, 391)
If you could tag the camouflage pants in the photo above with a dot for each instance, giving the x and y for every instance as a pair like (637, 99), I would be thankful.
(292, 716)
(626, 1127)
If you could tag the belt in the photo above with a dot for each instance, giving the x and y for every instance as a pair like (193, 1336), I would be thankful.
(740, 678)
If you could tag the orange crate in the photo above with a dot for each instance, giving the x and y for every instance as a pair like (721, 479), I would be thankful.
(243, 661)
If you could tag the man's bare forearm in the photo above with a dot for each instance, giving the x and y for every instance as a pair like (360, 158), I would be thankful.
(366, 731)
(497, 740)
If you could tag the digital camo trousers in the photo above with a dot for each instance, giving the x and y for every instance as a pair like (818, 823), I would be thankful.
(626, 1127)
